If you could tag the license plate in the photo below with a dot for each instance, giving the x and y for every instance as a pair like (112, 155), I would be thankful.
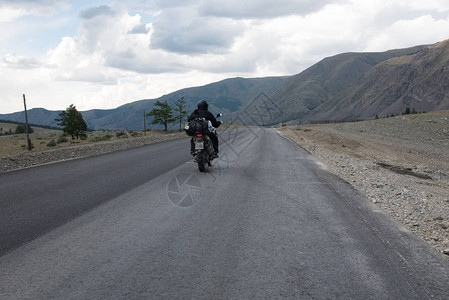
(199, 145)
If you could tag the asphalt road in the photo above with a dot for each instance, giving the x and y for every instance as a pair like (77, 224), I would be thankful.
(266, 221)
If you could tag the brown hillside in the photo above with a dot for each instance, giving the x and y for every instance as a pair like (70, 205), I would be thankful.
(419, 81)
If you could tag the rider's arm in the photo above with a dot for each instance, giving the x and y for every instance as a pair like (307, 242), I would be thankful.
(214, 121)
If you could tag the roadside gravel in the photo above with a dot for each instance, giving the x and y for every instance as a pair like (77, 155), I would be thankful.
(33, 158)
(401, 164)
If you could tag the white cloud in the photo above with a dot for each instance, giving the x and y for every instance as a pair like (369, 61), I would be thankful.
(9, 14)
(116, 57)
(140, 29)
(182, 30)
(102, 34)
(13, 9)
(430, 5)
(256, 9)
(92, 12)
(407, 33)
(20, 62)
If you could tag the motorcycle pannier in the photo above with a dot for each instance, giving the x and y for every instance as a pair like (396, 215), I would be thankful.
(197, 126)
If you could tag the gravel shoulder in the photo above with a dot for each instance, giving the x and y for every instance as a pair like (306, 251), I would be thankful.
(34, 158)
(401, 164)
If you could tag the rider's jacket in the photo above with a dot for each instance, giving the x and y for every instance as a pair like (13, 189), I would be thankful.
(199, 113)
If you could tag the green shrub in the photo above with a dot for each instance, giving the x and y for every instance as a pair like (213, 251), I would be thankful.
(51, 143)
(62, 139)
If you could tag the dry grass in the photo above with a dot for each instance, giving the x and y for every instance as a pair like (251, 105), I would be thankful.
(16, 143)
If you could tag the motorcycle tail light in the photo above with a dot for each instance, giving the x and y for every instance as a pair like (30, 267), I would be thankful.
(199, 134)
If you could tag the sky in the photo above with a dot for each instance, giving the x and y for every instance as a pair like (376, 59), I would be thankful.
(102, 54)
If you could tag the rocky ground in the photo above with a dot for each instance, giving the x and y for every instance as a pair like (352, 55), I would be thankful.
(29, 159)
(401, 164)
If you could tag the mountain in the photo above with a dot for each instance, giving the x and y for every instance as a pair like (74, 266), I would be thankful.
(347, 86)
(419, 81)
(225, 96)
(301, 95)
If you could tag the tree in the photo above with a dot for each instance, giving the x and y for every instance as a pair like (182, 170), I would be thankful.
(162, 115)
(22, 129)
(19, 129)
(407, 110)
(72, 122)
(180, 106)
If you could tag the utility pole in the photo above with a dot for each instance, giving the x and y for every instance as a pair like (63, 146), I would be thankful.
(26, 124)
(144, 123)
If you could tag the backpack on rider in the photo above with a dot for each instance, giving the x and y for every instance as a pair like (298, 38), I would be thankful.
(197, 126)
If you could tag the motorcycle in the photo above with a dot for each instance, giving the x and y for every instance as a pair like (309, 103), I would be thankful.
(204, 152)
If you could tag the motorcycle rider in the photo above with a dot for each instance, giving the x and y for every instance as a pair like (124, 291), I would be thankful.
(203, 112)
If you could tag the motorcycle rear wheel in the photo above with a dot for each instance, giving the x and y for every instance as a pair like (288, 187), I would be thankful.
(201, 167)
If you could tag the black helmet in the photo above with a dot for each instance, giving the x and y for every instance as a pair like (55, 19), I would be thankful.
(202, 105)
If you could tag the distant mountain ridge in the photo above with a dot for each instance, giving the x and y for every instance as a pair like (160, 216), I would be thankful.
(347, 86)
(225, 96)
(303, 95)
